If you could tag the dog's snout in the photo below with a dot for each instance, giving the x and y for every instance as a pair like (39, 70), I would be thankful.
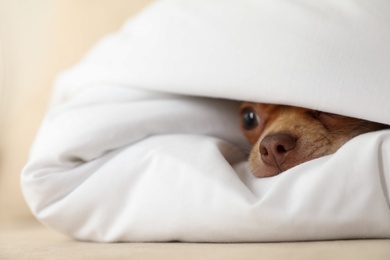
(273, 148)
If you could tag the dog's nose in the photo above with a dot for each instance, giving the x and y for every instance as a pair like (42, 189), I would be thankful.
(274, 148)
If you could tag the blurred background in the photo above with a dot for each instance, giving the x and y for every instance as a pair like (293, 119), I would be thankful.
(38, 39)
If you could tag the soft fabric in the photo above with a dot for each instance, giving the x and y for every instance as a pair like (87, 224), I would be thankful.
(142, 144)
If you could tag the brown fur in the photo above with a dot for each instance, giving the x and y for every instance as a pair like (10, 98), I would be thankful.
(285, 136)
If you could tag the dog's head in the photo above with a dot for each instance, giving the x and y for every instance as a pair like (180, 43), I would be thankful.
(285, 136)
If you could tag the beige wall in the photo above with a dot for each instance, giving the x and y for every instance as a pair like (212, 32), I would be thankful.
(39, 38)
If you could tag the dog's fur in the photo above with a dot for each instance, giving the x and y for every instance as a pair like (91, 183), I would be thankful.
(285, 136)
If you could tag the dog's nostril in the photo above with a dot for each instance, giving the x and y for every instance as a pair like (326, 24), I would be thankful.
(263, 151)
(281, 149)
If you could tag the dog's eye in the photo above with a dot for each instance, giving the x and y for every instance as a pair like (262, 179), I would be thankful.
(319, 115)
(326, 119)
(249, 118)
(315, 114)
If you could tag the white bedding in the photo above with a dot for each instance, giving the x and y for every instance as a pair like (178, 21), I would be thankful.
(142, 144)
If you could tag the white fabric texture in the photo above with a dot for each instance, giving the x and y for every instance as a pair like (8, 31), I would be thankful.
(142, 140)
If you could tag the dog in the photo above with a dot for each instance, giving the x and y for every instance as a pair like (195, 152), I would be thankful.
(285, 136)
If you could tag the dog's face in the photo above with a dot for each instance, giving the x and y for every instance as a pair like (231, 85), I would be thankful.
(285, 136)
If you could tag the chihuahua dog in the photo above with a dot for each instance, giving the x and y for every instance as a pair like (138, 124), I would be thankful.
(285, 136)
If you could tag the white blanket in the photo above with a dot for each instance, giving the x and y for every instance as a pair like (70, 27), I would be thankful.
(142, 144)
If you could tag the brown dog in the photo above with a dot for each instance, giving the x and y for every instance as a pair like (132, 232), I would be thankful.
(285, 136)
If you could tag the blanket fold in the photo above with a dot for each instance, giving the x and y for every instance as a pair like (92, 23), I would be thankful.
(142, 139)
